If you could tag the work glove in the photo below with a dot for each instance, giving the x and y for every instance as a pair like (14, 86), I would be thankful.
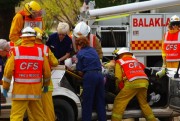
(161, 73)
(5, 93)
(45, 89)
(115, 51)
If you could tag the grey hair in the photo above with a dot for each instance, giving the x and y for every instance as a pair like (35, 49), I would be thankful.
(63, 28)
(4, 44)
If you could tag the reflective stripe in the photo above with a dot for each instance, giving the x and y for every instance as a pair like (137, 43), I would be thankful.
(46, 80)
(27, 80)
(26, 96)
(138, 77)
(150, 117)
(45, 50)
(131, 86)
(28, 57)
(17, 51)
(6, 79)
(118, 116)
(50, 88)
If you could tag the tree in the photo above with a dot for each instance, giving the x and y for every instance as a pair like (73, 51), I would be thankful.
(59, 10)
(7, 12)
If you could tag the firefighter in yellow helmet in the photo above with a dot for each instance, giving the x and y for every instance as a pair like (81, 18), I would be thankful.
(31, 15)
(27, 64)
(129, 70)
(171, 45)
(46, 99)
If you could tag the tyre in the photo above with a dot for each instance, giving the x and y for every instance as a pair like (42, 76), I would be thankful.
(63, 110)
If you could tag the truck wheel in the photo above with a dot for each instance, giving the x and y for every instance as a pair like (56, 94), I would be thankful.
(63, 110)
(166, 119)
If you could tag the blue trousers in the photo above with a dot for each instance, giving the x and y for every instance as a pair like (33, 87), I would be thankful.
(93, 92)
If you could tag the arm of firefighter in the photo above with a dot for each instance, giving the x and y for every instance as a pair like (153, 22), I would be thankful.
(46, 72)
(52, 59)
(119, 76)
(8, 72)
(16, 27)
(163, 54)
(99, 48)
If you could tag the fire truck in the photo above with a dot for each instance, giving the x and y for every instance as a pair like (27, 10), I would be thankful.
(141, 33)
(137, 26)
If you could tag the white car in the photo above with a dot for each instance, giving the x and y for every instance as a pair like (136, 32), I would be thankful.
(163, 96)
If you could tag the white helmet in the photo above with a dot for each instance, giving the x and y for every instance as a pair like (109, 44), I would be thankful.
(174, 18)
(81, 29)
(28, 32)
(123, 50)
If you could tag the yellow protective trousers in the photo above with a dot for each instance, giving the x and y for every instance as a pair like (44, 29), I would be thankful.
(123, 98)
(19, 108)
(47, 105)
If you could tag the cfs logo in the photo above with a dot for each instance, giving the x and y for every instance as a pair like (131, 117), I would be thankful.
(171, 47)
(29, 65)
(134, 65)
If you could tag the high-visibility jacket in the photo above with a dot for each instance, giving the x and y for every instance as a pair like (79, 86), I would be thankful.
(11, 44)
(132, 68)
(92, 41)
(28, 73)
(44, 48)
(172, 46)
(51, 58)
(21, 20)
(28, 21)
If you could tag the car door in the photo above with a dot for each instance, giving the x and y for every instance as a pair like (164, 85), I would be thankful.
(174, 89)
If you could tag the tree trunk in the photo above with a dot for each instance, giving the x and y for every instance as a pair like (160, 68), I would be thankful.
(6, 16)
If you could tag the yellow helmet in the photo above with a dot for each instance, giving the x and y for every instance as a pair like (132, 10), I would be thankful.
(32, 7)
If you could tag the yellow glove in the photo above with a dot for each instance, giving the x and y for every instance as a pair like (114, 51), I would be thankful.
(115, 51)
(18, 42)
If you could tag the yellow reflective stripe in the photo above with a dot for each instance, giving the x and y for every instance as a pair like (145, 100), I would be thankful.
(150, 117)
(26, 96)
(118, 116)
(6, 79)
(112, 17)
(129, 86)
(18, 42)
(50, 88)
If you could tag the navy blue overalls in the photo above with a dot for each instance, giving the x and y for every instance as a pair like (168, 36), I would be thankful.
(93, 83)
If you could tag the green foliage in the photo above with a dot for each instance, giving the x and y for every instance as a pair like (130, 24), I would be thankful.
(59, 10)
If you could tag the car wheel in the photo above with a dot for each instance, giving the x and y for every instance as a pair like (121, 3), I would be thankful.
(63, 110)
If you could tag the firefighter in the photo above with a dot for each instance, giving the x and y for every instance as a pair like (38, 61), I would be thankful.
(89, 66)
(46, 99)
(82, 29)
(60, 43)
(31, 15)
(28, 65)
(171, 45)
(129, 70)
